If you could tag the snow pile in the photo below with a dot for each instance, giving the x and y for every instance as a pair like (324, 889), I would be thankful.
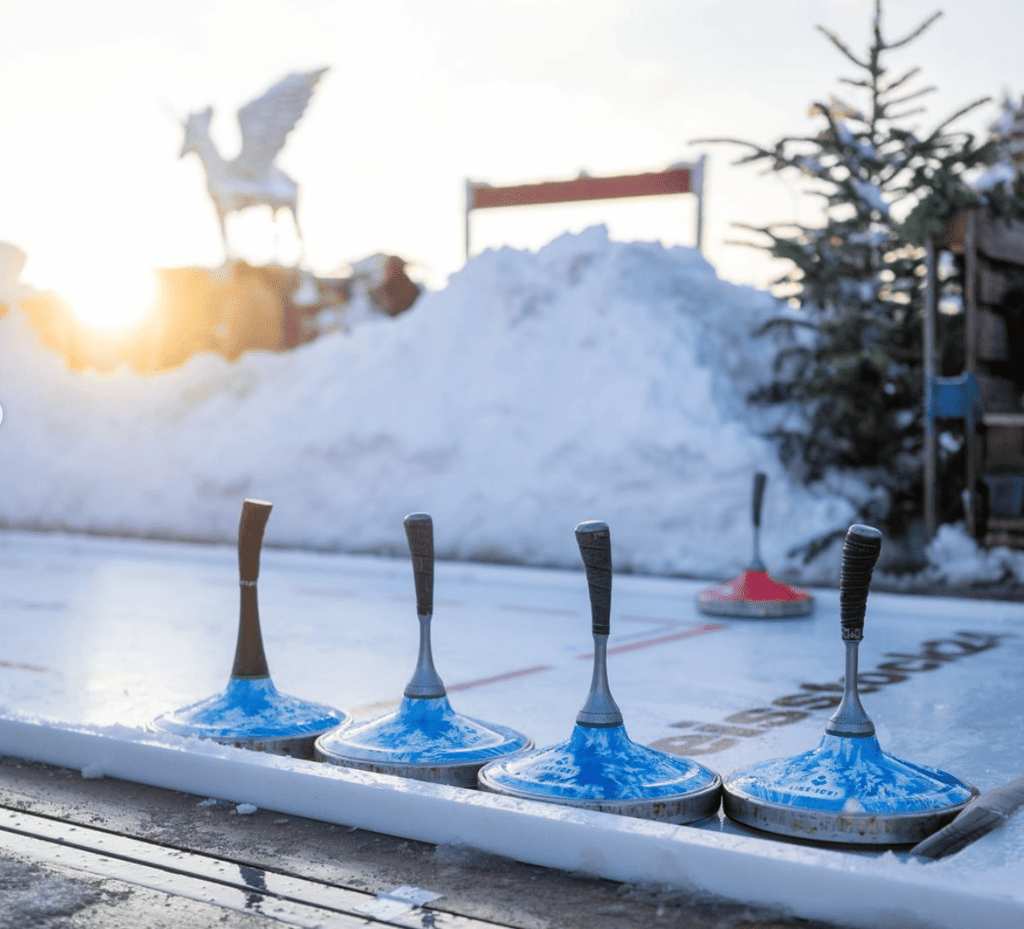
(591, 379)
(954, 558)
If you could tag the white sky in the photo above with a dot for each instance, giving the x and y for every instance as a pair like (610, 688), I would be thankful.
(421, 96)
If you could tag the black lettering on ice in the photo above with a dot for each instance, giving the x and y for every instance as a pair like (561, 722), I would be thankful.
(709, 738)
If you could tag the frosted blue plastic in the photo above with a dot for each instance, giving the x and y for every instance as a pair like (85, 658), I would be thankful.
(251, 709)
(849, 775)
(422, 731)
(599, 763)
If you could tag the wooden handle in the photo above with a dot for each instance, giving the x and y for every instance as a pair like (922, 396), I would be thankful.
(419, 530)
(594, 540)
(860, 552)
(255, 514)
(250, 659)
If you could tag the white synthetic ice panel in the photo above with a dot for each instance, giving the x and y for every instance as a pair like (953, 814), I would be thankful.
(104, 635)
(875, 892)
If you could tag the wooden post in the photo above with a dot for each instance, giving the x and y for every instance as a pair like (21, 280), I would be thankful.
(699, 177)
(971, 366)
(930, 449)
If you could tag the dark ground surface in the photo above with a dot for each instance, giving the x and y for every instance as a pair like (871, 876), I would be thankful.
(501, 892)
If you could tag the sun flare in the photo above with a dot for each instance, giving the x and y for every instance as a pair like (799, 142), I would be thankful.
(108, 300)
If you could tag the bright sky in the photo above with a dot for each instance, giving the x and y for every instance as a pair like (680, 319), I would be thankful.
(418, 98)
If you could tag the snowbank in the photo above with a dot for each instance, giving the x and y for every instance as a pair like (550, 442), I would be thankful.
(591, 379)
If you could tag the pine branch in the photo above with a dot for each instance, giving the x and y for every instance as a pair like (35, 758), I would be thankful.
(789, 321)
(877, 46)
(900, 80)
(910, 36)
(749, 227)
(756, 153)
(906, 113)
(814, 140)
(744, 244)
(723, 141)
(911, 96)
(961, 112)
(838, 43)
(936, 138)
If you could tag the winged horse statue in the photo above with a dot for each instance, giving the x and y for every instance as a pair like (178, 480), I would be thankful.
(252, 178)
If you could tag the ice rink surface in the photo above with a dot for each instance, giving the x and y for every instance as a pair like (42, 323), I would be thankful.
(99, 636)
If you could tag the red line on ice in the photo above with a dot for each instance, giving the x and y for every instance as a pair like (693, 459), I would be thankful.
(702, 629)
(480, 682)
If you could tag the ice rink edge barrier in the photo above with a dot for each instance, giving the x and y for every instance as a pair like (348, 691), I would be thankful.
(812, 883)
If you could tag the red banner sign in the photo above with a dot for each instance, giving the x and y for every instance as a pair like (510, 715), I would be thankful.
(680, 179)
(651, 184)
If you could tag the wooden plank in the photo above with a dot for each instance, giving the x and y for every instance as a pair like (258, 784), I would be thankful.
(992, 286)
(954, 237)
(1007, 525)
(1004, 448)
(1008, 533)
(998, 394)
(1005, 495)
(1005, 539)
(993, 340)
(1003, 419)
(1001, 239)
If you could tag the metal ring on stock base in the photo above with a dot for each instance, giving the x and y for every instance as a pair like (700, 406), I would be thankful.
(599, 767)
(847, 790)
(250, 712)
(424, 739)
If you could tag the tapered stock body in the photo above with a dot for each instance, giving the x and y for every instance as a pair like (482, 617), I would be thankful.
(250, 659)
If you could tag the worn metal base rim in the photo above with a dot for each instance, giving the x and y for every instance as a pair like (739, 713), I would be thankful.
(837, 828)
(680, 809)
(456, 774)
(296, 747)
(757, 609)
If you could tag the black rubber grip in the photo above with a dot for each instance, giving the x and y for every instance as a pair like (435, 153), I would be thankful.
(760, 479)
(594, 540)
(860, 552)
(255, 514)
(419, 530)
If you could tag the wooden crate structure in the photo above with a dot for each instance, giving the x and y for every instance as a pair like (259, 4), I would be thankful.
(988, 395)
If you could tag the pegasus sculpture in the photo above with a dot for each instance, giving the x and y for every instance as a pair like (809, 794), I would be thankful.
(252, 178)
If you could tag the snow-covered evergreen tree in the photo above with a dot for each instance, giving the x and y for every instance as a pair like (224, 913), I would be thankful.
(851, 375)
(1003, 180)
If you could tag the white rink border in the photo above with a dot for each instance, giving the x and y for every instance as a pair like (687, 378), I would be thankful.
(875, 892)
